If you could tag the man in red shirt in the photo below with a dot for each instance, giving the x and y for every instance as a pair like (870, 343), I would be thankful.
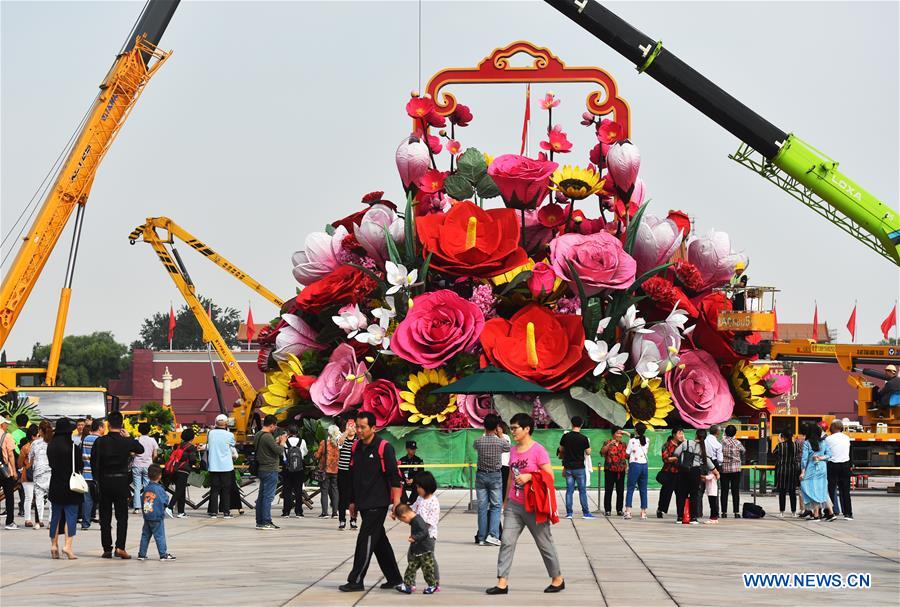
(668, 477)
(615, 464)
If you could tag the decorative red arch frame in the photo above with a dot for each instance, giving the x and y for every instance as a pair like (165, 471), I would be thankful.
(546, 67)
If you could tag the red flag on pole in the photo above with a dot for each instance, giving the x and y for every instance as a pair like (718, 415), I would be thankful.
(250, 330)
(171, 325)
(889, 322)
(527, 118)
(816, 324)
(775, 332)
(851, 324)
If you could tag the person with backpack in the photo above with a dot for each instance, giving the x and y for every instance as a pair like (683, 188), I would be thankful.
(269, 452)
(178, 468)
(374, 490)
(693, 462)
(292, 473)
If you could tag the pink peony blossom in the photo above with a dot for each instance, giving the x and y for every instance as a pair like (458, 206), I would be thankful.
(599, 260)
(523, 182)
(541, 280)
(370, 231)
(475, 407)
(412, 159)
(699, 392)
(296, 337)
(657, 240)
(382, 398)
(341, 383)
(623, 162)
(714, 259)
(320, 257)
(440, 325)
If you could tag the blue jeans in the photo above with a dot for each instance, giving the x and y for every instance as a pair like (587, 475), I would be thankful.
(487, 488)
(580, 477)
(139, 480)
(157, 529)
(637, 475)
(63, 519)
(267, 481)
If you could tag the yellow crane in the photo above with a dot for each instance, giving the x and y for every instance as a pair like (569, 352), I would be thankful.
(161, 233)
(122, 86)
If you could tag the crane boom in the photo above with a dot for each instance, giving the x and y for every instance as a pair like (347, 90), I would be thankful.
(784, 159)
(119, 92)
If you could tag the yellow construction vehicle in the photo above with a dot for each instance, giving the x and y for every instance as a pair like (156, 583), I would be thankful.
(137, 62)
(161, 233)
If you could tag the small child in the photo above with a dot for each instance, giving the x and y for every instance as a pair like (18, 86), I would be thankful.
(429, 508)
(154, 500)
(421, 552)
(712, 494)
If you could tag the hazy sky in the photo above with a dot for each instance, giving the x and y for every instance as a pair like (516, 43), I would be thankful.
(272, 119)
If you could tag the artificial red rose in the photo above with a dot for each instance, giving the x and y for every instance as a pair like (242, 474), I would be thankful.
(345, 285)
(542, 279)
(523, 182)
(382, 398)
(682, 220)
(301, 384)
(550, 353)
(470, 241)
(706, 336)
(461, 115)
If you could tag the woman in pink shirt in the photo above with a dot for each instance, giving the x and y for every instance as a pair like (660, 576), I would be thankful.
(526, 458)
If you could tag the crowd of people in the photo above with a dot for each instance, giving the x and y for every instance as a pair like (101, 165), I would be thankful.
(91, 468)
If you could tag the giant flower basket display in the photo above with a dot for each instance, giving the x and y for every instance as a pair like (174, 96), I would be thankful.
(555, 268)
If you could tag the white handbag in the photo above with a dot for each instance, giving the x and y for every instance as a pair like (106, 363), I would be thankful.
(76, 481)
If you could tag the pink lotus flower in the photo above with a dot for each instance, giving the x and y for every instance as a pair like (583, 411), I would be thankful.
(341, 383)
(412, 159)
(370, 231)
(475, 407)
(523, 182)
(419, 107)
(296, 337)
(461, 115)
(777, 384)
(657, 240)
(557, 141)
(699, 392)
(662, 335)
(599, 260)
(714, 259)
(320, 257)
(382, 398)
(432, 181)
(549, 101)
(623, 162)
(440, 325)
(453, 146)
(542, 279)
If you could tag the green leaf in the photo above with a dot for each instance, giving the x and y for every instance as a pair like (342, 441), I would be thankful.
(592, 314)
(423, 271)
(602, 405)
(486, 187)
(471, 165)
(329, 229)
(562, 408)
(409, 230)
(631, 230)
(507, 406)
(458, 187)
(393, 253)
(518, 279)
(582, 296)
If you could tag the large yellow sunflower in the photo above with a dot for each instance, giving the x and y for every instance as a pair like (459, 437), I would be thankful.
(747, 384)
(419, 401)
(647, 402)
(576, 183)
(278, 393)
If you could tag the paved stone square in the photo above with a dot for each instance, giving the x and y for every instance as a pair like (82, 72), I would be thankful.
(605, 562)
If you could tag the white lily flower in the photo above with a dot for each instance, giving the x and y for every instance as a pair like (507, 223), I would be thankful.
(677, 317)
(632, 322)
(647, 365)
(605, 356)
(399, 277)
(374, 335)
(384, 315)
(350, 319)
(601, 326)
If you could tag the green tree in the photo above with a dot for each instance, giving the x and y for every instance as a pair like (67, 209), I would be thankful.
(85, 360)
(187, 335)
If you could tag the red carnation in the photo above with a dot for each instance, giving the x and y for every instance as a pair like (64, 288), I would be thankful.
(689, 275)
(666, 295)
(346, 285)
(372, 197)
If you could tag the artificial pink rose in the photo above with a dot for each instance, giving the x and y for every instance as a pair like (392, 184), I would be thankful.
(412, 159)
(777, 384)
(599, 260)
(657, 240)
(699, 392)
(523, 182)
(541, 280)
(320, 257)
(475, 407)
(382, 398)
(714, 259)
(341, 383)
(295, 337)
(439, 325)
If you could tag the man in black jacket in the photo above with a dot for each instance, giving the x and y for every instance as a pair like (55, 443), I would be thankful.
(374, 489)
(109, 467)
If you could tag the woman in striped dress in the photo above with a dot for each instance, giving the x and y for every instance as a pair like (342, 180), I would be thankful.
(344, 480)
(786, 472)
